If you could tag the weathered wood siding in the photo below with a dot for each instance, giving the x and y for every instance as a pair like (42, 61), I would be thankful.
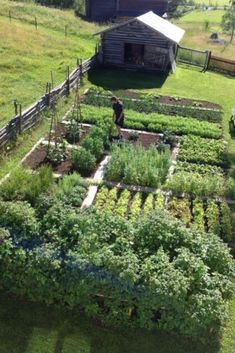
(133, 8)
(156, 45)
(101, 10)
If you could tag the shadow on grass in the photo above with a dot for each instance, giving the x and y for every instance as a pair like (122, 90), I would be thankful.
(31, 327)
(117, 79)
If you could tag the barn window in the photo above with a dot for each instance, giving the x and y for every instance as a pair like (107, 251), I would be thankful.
(134, 54)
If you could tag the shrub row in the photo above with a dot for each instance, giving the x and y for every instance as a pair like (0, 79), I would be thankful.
(153, 273)
(150, 104)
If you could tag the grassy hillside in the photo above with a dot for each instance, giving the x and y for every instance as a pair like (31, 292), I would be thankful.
(197, 35)
(27, 55)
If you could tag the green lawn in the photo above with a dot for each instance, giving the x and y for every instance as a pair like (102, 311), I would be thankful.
(32, 328)
(213, 2)
(197, 35)
(214, 16)
(27, 55)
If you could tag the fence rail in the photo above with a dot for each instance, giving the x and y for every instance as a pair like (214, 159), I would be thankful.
(220, 64)
(31, 116)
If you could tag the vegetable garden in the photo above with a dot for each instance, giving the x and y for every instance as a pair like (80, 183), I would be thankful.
(132, 231)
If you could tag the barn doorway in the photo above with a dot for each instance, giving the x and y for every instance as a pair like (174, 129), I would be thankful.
(134, 54)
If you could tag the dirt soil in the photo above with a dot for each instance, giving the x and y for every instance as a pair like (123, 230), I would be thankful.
(173, 100)
(144, 139)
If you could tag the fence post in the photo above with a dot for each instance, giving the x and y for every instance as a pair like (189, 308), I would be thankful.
(52, 80)
(20, 118)
(48, 94)
(80, 71)
(15, 107)
(36, 23)
(68, 82)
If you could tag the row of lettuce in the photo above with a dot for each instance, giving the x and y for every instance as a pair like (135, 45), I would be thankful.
(150, 103)
(204, 215)
(150, 272)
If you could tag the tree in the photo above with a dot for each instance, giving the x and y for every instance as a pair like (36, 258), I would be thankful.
(228, 20)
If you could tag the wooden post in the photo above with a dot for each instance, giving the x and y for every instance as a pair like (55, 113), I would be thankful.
(10, 15)
(48, 94)
(68, 83)
(15, 106)
(20, 118)
(52, 80)
(80, 71)
(36, 23)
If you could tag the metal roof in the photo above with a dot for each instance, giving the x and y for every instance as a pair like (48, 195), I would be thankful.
(156, 23)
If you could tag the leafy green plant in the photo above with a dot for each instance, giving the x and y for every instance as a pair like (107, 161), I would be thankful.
(101, 198)
(56, 154)
(157, 123)
(71, 190)
(20, 219)
(93, 145)
(213, 217)
(203, 169)
(122, 203)
(198, 215)
(226, 222)
(135, 209)
(197, 185)
(148, 204)
(200, 150)
(136, 166)
(23, 185)
(159, 202)
(83, 161)
(73, 132)
(180, 208)
(111, 200)
(150, 104)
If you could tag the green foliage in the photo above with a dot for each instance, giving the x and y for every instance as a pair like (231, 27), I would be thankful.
(171, 275)
(56, 154)
(180, 208)
(136, 166)
(71, 190)
(200, 150)
(159, 202)
(226, 222)
(212, 215)
(148, 204)
(150, 103)
(156, 122)
(135, 209)
(23, 185)
(122, 204)
(101, 198)
(19, 218)
(198, 215)
(197, 184)
(94, 146)
(111, 201)
(228, 21)
(202, 169)
(83, 161)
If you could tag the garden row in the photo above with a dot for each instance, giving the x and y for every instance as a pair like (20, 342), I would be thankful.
(204, 215)
(154, 122)
(155, 104)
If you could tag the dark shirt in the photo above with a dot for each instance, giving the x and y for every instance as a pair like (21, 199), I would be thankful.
(118, 109)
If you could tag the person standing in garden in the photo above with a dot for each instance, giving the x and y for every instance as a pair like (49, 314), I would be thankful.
(118, 114)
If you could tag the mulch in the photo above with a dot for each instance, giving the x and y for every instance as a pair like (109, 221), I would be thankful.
(144, 139)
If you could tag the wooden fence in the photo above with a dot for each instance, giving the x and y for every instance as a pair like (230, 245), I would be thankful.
(216, 63)
(29, 118)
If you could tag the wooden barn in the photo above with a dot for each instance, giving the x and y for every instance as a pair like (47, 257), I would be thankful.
(147, 42)
(105, 10)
